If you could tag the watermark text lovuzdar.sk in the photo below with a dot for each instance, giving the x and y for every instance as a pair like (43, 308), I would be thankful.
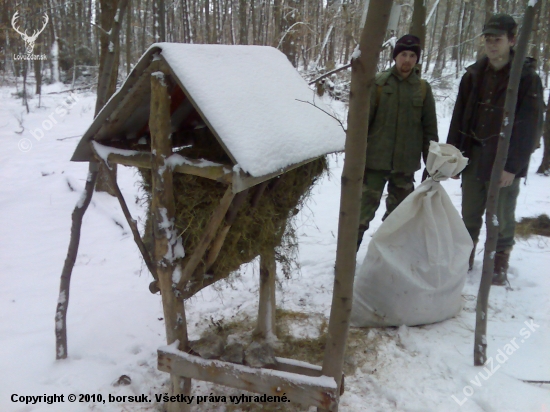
(491, 366)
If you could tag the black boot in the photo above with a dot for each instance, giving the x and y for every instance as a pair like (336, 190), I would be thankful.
(360, 232)
(472, 257)
(500, 273)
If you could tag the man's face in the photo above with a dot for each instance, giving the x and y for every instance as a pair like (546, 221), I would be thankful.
(497, 47)
(405, 62)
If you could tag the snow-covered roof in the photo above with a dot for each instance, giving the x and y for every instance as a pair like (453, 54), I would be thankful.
(254, 101)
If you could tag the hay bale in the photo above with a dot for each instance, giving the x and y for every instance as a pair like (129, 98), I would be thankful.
(256, 229)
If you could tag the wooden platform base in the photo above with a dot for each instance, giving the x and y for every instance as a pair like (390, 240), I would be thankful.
(298, 381)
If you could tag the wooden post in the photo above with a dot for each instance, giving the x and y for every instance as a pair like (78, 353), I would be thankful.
(111, 175)
(164, 232)
(266, 310)
(230, 217)
(480, 340)
(362, 83)
(61, 349)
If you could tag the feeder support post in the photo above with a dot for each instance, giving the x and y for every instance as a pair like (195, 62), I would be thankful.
(164, 233)
(266, 307)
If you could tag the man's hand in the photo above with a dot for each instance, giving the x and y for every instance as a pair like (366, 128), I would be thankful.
(506, 179)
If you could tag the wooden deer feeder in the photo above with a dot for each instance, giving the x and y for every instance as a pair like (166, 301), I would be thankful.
(251, 106)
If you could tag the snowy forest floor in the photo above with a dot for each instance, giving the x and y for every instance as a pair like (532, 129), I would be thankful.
(115, 324)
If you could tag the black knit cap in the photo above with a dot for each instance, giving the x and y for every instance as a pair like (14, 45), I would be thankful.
(500, 24)
(407, 42)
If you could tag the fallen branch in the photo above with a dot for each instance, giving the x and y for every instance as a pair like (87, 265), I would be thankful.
(347, 66)
(70, 137)
(73, 89)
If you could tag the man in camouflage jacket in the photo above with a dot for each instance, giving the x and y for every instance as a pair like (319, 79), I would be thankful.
(402, 122)
(476, 125)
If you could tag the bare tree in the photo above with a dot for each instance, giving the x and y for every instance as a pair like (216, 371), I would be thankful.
(544, 167)
(418, 24)
(362, 83)
(440, 60)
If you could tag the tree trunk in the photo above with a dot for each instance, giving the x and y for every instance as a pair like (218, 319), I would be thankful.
(418, 24)
(489, 11)
(458, 45)
(535, 44)
(290, 40)
(277, 21)
(440, 60)
(432, 40)
(546, 66)
(161, 16)
(243, 28)
(362, 83)
(108, 70)
(480, 343)
(544, 167)
(129, 39)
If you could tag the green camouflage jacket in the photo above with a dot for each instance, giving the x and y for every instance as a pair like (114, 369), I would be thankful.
(401, 123)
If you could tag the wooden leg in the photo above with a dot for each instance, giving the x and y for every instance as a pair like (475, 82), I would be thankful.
(111, 175)
(207, 237)
(266, 311)
(164, 233)
(61, 350)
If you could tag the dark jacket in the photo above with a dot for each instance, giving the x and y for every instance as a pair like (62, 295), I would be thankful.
(401, 123)
(527, 123)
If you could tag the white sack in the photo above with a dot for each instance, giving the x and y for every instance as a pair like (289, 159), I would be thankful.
(417, 260)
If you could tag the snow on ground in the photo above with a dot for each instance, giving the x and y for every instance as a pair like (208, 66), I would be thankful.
(115, 324)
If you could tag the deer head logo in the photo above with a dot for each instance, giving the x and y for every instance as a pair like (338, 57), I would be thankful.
(29, 40)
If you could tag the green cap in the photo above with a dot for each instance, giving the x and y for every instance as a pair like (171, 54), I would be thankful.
(500, 24)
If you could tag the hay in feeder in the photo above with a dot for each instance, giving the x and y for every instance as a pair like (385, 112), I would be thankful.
(261, 224)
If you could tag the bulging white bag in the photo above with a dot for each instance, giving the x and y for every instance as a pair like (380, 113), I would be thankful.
(417, 260)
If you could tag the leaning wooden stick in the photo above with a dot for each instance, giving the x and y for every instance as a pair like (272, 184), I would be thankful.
(61, 350)
(480, 343)
(131, 221)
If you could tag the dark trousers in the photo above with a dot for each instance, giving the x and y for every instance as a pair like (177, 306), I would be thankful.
(474, 199)
(400, 185)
